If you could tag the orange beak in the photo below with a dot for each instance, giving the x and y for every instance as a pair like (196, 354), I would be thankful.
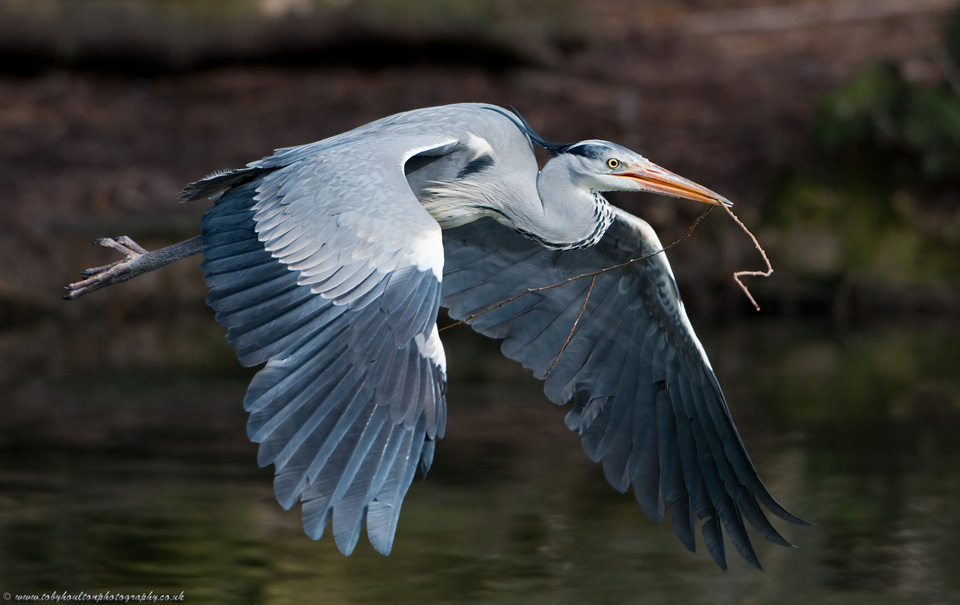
(655, 179)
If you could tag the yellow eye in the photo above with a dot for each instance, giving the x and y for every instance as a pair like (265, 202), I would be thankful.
(613, 163)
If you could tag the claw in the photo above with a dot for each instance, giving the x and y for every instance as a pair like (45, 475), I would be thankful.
(130, 244)
(95, 270)
(106, 275)
(122, 244)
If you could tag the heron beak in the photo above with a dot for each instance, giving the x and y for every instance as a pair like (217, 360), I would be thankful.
(655, 179)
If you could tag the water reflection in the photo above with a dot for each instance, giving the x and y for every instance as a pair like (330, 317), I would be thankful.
(146, 483)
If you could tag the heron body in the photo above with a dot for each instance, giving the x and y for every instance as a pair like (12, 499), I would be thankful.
(328, 263)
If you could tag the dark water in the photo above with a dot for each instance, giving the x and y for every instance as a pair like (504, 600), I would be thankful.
(124, 467)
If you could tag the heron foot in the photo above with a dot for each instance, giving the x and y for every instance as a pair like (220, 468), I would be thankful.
(114, 273)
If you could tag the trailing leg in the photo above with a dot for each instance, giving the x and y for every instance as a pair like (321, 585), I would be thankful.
(136, 261)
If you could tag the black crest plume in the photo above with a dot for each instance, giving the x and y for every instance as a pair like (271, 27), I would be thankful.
(553, 148)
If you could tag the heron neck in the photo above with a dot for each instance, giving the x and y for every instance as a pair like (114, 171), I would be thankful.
(572, 216)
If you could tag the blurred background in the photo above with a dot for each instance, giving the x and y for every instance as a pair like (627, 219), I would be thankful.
(834, 125)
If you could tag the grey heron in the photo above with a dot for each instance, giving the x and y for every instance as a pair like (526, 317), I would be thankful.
(328, 263)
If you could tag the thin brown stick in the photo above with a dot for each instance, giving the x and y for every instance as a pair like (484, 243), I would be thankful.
(593, 274)
(573, 327)
(737, 275)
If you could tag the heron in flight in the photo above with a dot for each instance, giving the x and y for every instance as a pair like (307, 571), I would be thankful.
(328, 262)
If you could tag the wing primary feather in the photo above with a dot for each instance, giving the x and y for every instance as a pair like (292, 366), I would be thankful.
(713, 539)
(290, 483)
(672, 484)
(426, 457)
(411, 398)
(349, 389)
(619, 444)
(631, 407)
(349, 499)
(383, 512)
(400, 393)
(616, 446)
(276, 421)
(725, 489)
(695, 456)
(760, 522)
(646, 480)
(316, 515)
(378, 533)
(736, 450)
(726, 508)
(257, 343)
(286, 375)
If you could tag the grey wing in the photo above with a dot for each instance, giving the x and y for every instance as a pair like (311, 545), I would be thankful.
(645, 399)
(322, 263)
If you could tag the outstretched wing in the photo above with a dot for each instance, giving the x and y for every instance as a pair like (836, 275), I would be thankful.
(322, 263)
(645, 399)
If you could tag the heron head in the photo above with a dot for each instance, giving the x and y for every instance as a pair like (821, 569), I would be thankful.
(605, 166)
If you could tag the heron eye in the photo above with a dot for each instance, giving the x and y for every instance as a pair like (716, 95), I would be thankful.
(613, 163)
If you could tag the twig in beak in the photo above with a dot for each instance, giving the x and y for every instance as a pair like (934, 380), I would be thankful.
(738, 274)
